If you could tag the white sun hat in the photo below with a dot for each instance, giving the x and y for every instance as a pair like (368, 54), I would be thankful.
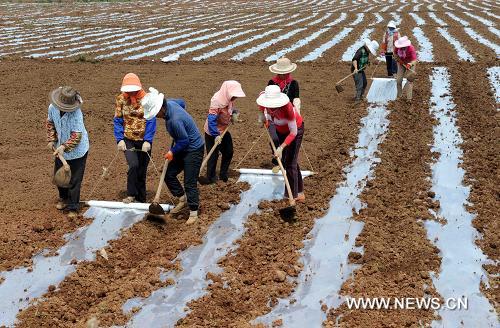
(151, 103)
(372, 46)
(283, 66)
(402, 42)
(272, 97)
(391, 24)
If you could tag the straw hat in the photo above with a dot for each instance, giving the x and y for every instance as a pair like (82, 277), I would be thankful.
(402, 42)
(283, 66)
(372, 46)
(152, 103)
(131, 83)
(272, 97)
(66, 99)
(391, 24)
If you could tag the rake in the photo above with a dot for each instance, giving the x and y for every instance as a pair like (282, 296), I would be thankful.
(339, 87)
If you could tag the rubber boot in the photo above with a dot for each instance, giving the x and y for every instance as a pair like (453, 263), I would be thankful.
(180, 205)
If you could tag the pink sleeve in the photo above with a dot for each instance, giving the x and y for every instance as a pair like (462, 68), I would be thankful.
(412, 55)
(292, 124)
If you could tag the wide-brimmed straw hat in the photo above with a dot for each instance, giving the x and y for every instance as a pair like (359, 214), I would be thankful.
(283, 66)
(391, 24)
(151, 103)
(131, 83)
(372, 46)
(272, 97)
(66, 99)
(402, 42)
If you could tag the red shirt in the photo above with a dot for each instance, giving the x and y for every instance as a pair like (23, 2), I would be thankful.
(286, 119)
(407, 56)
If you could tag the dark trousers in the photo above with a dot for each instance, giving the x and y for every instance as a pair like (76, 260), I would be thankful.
(190, 163)
(137, 169)
(392, 67)
(276, 141)
(71, 195)
(226, 150)
(360, 82)
(290, 162)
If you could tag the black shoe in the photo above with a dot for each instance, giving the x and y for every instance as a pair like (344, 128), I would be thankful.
(205, 181)
(224, 178)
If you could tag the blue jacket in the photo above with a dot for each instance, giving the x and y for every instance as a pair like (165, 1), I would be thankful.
(181, 127)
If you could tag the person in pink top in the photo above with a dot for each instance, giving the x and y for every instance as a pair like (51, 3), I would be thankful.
(220, 114)
(276, 107)
(406, 56)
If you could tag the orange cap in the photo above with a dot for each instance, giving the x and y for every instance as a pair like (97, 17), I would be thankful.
(131, 83)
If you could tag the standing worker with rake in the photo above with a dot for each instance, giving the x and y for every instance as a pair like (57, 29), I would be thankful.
(186, 154)
(406, 57)
(358, 66)
(68, 139)
(220, 114)
(289, 86)
(134, 136)
(276, 107)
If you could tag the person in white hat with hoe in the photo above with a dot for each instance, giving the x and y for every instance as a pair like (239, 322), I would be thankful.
(186, 153)
(406, 57)
(289, 86)
(359, 63)
(134, 136)
(391, 35)
(68, 137)
(276, 107)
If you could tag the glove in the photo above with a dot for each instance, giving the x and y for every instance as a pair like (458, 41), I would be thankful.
(169, 155)
(59, 150)
(267, 124)
(355, 71)
(51, 145)
(261, 119)
(218, 140)
(279, 152)
(235, 117)
(121, 145)
(146, 146)
(382, 54)
(408, 66)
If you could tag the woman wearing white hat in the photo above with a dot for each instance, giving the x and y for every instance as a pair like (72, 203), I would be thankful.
(359, 63)
(406, 57)
(391, 35)
(133, 131)
(276, 107)
(288, 85)
(67, 136)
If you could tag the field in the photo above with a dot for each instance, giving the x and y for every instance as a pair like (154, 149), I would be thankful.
(404, 203)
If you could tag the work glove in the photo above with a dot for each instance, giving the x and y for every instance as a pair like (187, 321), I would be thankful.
(51, 145)
(169, 155)
(59, 150)
(121, 145)
(146, 146)
(408, 66)
(355, 71)
(235, 116)
(218, 140)
(382, 54)
(261, 119)
(279, 152)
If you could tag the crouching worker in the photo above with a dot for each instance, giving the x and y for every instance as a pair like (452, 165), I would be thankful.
(220, 114)
(186, 154)
(68, 137)
(406, 56)
(134, 136)
(276, 107)
(359, 63)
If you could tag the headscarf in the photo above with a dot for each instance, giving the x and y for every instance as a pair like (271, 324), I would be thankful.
(283, 82)
(133, 99)
(228, 90)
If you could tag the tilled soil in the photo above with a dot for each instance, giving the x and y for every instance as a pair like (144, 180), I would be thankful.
(478, 120)
(397, 255)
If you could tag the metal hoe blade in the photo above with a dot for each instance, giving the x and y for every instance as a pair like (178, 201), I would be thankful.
(287, 214)
(156, 209)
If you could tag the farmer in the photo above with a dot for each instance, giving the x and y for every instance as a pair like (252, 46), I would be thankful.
(134, 136)
(276, 107)
(220, 114)
(390, 36)
(283, 78)
(68, 137)
(186, 154)
(406, 57)
(359, 63)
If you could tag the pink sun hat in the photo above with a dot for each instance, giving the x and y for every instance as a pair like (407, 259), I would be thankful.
(402, 42)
